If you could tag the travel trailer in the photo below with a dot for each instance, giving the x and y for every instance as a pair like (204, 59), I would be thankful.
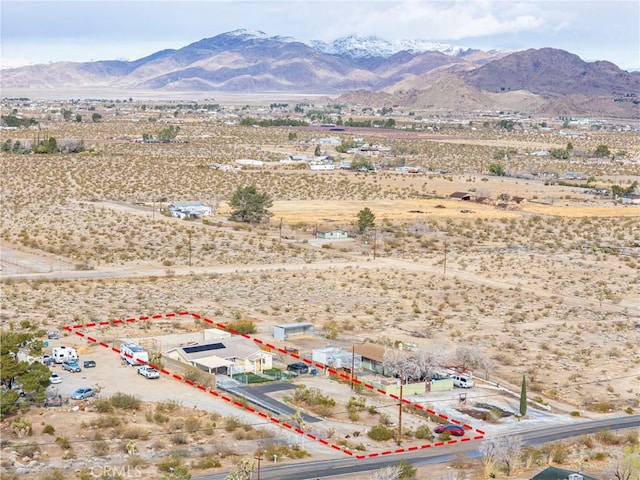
(134, 354)
(62, 354)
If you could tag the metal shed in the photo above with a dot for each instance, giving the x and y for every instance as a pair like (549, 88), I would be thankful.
(337, 358)
(287, 330)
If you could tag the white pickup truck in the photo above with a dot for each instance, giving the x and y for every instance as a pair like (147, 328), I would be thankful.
(148, 372)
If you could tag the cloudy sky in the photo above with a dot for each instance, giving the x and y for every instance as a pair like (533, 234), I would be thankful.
(85, 30)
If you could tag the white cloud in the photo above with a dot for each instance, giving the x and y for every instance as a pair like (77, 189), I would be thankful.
(132, 29)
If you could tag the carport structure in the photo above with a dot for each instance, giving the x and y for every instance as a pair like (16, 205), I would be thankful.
(286, 330)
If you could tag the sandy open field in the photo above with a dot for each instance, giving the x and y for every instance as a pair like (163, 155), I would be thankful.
(546, 287)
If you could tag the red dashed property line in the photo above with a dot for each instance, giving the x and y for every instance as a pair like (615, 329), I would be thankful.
(331, 371)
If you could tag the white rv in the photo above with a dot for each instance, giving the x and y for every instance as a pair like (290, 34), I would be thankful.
(134, 354)
(62, 354)
(462, 381)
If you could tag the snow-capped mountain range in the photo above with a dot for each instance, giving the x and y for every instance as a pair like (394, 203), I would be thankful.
(398, 72)
(362, 47)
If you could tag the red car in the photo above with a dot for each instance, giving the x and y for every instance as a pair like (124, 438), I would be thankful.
(456, 430)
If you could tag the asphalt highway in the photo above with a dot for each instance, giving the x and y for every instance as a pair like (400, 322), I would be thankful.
(326, 469)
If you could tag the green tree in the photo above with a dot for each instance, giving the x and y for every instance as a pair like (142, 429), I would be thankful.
(96, 117)
(560, 153)
(602, 151)
(78, 118)
(66, 114)
(169, 133)
(523, 397)
(365, 219)
(249, 205)
(496, 169)
(33, 378)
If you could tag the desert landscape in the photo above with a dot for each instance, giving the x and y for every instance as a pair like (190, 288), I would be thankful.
(532, 271)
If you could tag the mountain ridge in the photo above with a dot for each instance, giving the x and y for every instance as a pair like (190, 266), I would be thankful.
(245, 61)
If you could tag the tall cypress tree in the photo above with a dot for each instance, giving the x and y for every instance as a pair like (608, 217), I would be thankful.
(523, 397)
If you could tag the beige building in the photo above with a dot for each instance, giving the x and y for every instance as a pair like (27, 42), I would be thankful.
(226, 356)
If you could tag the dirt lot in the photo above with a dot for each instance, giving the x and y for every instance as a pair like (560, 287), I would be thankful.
(545, 287)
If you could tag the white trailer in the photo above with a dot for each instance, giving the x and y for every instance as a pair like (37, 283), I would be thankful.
(62, 354)
(134, 354)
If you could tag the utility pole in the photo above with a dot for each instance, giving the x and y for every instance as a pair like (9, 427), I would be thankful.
(353, 361)
(445, 258)
(399, 441)
(190, 232)
(258, 457)
(375, 237)
(280, 229)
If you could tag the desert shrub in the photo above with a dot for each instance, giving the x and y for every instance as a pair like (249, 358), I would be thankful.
(381, 433)
(28, 450)
(179, 439)
(232, 423)
(134, 433)
(54, 474)
(64, 443)
(600, 456)
(105, 421)
(607, 437)
(575, 413)
(284, 451)
(444, 437)
(125, 401)
(103, 405)
(602, 407)
(168, 406)
(246, 326)
(206, 462)
(160, 417)
(314, 399)
(559, 453)
(198, 376)
(423, 431)
(169, 464)
(100, 448)
(192, 424)
(48, 429)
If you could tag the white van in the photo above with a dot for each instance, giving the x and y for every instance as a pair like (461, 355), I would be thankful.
(462, 381)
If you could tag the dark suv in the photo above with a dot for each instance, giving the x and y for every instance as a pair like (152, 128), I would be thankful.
(298, 367)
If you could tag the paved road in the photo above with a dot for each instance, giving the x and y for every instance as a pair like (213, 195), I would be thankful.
(330, 468)
(257, 395)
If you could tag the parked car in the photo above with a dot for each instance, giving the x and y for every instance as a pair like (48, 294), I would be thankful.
(148, 372)
(55, 378)
(452, 429)
(53, 401)
(71, 366)
(47, 359)
(53, 335)
(89, 364)
(82, 393)
(298, 367)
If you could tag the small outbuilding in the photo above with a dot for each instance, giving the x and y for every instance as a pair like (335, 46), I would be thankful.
(466, 196)
(190, 210)
(337, 358)
(288, 330)
(555, 473)
(332, 233)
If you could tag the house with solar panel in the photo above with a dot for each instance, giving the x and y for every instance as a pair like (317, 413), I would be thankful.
(226, 356)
